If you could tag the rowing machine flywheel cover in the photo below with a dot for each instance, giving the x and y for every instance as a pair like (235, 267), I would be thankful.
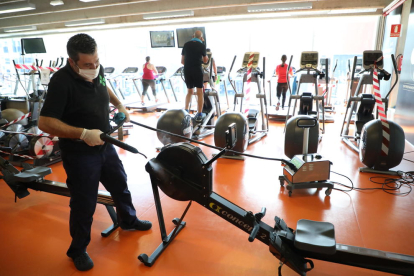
(179, 170)
(372, 142)
(176, 121)
(242, 127)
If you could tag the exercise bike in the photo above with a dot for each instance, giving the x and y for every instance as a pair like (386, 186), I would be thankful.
(379, 142)
(306, 110)
(184, 173)
(178, 121)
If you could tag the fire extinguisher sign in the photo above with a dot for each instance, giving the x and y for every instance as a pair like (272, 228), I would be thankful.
(395, 30)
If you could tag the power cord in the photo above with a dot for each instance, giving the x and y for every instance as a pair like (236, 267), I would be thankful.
(350, 188)
(287, 162)
(388, 185)
(408, 159)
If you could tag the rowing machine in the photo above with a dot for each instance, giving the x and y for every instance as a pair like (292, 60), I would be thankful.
(183, 172)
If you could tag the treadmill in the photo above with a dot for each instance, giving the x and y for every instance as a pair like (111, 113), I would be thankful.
(278, 115)
(178, 104)
(109, 73)
(221, 74)
(329, 108)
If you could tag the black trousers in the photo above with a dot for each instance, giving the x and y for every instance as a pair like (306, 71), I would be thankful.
(193, 77)
(281, 91)
(84, 172)
(146, 84)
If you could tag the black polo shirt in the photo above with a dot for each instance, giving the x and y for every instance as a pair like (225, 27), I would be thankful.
(78, 103)
(193, 51)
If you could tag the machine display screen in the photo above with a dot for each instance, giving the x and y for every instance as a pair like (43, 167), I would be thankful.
(33, 45)
(186, 34)
(309, 58)
(130, 70)
(162, 39)
(371, 57)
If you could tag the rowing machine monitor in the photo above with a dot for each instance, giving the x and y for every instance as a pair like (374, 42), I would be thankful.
(231, 136)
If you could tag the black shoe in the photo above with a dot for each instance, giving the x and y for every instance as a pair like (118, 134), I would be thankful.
(141, 225)
(83, 262)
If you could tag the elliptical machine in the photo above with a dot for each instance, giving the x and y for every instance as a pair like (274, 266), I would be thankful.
(178, 121)
(379, 142)
(293, 133)
(246, 119)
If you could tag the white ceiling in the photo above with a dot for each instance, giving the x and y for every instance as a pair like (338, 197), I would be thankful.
(50, 18)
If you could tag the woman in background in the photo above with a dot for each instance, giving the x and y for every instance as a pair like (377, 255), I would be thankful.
(148, 79)
(282, 79)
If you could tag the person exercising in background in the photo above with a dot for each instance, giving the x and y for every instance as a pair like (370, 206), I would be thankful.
(192, 56)
(148, 79)
(214, 75)
(282, 85)
(77, 111)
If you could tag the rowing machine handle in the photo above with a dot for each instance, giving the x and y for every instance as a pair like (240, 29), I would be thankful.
(106, 138)
(254, 232)
(258, 217)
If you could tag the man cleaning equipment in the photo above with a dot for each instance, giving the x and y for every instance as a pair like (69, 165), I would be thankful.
(77, 111)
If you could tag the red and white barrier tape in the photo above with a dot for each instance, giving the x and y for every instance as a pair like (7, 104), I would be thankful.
(28, 134)
(20, 155)
(249, 80)
(18, 119)
(382, 115)
(36, 68)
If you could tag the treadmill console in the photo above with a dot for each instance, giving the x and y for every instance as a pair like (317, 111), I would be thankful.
(221, 70)
(109, 70)
(309, 60)
(130, 70)
(161, 70)
(371, 57)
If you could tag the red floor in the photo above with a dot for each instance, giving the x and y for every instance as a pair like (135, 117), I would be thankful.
(34, 232)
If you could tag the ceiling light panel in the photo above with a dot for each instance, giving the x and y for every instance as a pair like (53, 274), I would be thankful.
(16, 7)
(19, 29)
(85, 22)
(280, 7)
(168, 14)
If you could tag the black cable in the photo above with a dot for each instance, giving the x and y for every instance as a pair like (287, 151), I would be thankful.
(408, 160)
(408, 152)
(406, 180)
(350, 188)
(217, 148)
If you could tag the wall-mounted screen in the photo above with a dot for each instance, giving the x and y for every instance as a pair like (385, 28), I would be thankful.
(162, 39)
(184, 35)
(33, 45)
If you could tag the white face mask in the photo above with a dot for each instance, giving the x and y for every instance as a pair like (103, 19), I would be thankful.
(89, 74)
